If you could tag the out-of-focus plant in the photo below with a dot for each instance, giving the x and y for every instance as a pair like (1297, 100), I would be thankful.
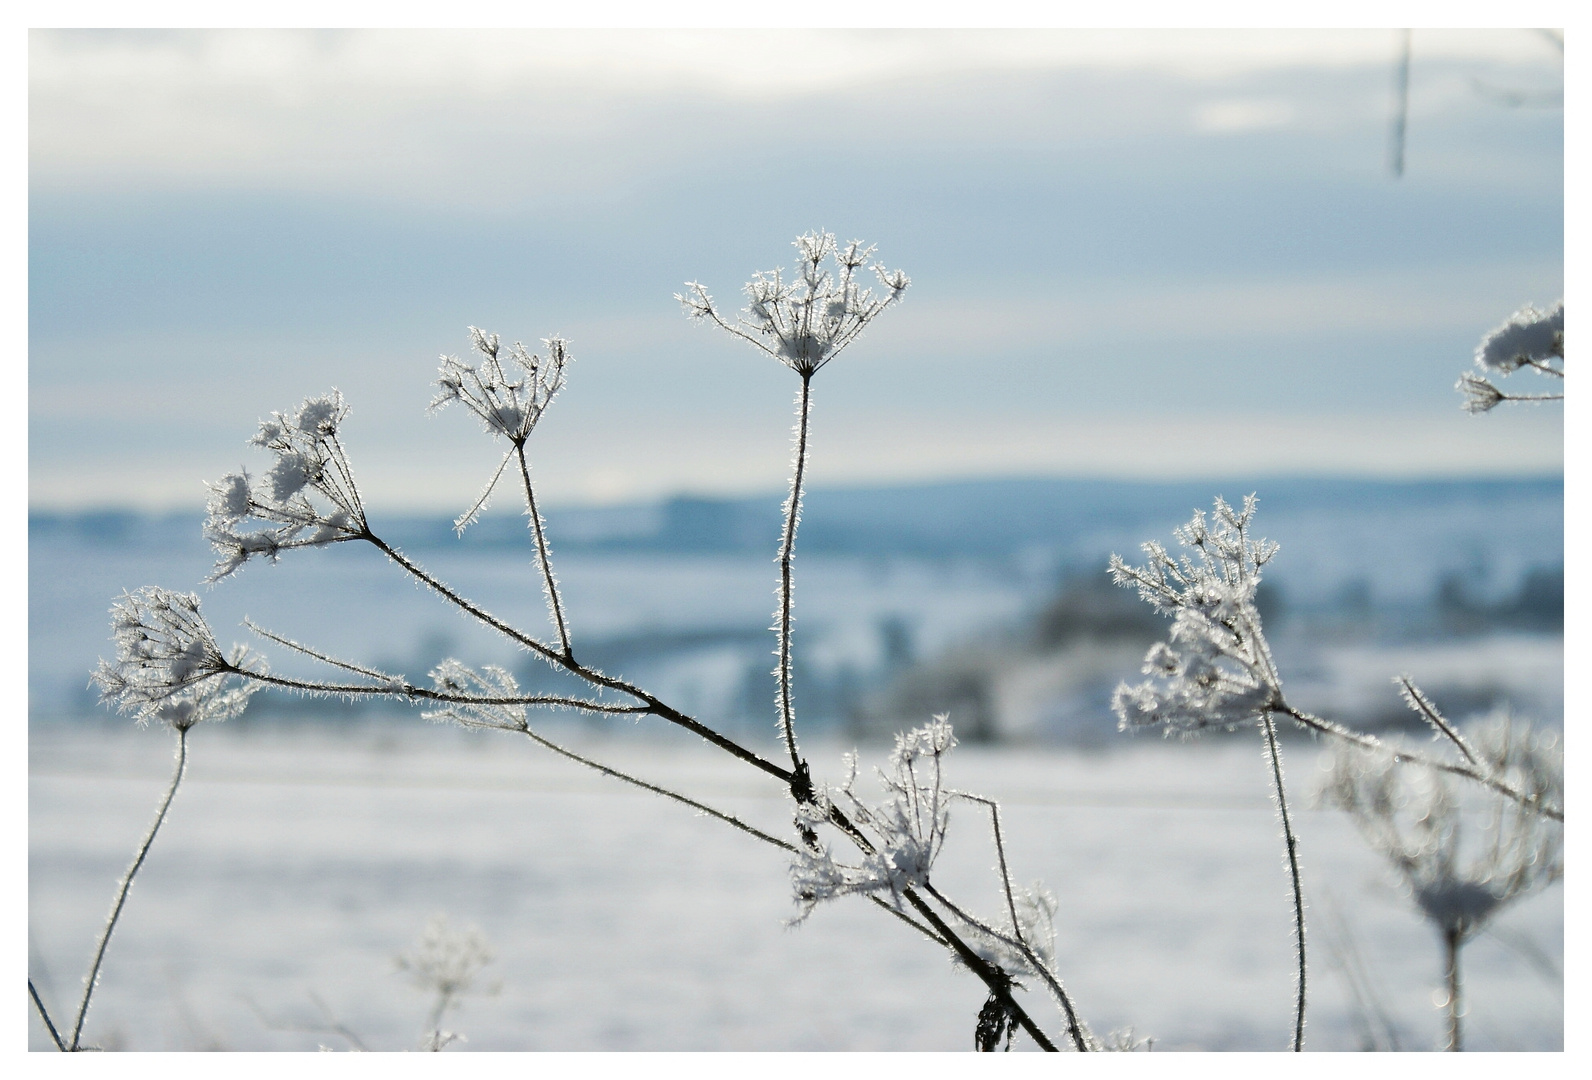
(1458, 879)
(445, 961)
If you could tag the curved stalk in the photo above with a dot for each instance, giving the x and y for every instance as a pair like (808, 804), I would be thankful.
(787, 552)
(1274, 756)
(1077, 1030)
(127, 883)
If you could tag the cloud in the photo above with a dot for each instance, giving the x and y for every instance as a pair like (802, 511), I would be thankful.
(482, 116)
(1242, 114)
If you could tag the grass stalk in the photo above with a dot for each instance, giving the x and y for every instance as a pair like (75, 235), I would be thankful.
(124, 886)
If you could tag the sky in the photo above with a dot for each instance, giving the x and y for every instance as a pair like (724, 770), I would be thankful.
(1147, 254)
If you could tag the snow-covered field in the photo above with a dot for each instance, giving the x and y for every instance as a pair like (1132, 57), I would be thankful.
(298, 862)
(303, 854)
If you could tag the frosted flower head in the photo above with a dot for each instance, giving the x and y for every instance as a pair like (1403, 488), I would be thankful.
(168, 666)
(446, 960)
(907, 829)
(452, 677)
(1215, 668)
(215, 699)
(1480, 394)
(806, 321)
(306, 499)
(508, 398)
(1528, 336)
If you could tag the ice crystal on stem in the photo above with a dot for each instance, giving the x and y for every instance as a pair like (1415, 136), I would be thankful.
(805, 322)
(168, 666)
(308, 498)
(1215, 669)
(906, 832)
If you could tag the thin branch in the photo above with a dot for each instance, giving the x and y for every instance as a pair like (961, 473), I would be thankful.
(410, 692)
(1269, 726)
(1077, 1030)
(466, 519)
(44, 1014)
(655, 706)
(478, 613)
(1546, 369)
(1469, 772)
(1419, 702)
(1401, 106)
(993, 977)
(126, 884)
(606, 770)
(1000, 853)
(537, 529)
(299, 647)
(910, 921)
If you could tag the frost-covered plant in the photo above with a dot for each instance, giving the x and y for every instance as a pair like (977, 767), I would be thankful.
(445, 961)
(1527, 339)
(306, 499)
(168, 665)
(899, 840)
(804, 324)
(906, 831)
(309, 498)
(1215, 670)
(169, 670)
(1413, 816)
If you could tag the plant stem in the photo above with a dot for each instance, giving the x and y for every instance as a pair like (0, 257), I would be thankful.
(460, 602)
(1469, 772)
(1275, 757)
(44, 1014)
(126, 884)
(992, 976)
(787, 552)
(1451, 944)
(596, 678)
(606, 770)
(1076, 1029)
(553, 603)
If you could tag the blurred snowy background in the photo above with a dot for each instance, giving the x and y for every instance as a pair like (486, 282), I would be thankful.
(1150, 268)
